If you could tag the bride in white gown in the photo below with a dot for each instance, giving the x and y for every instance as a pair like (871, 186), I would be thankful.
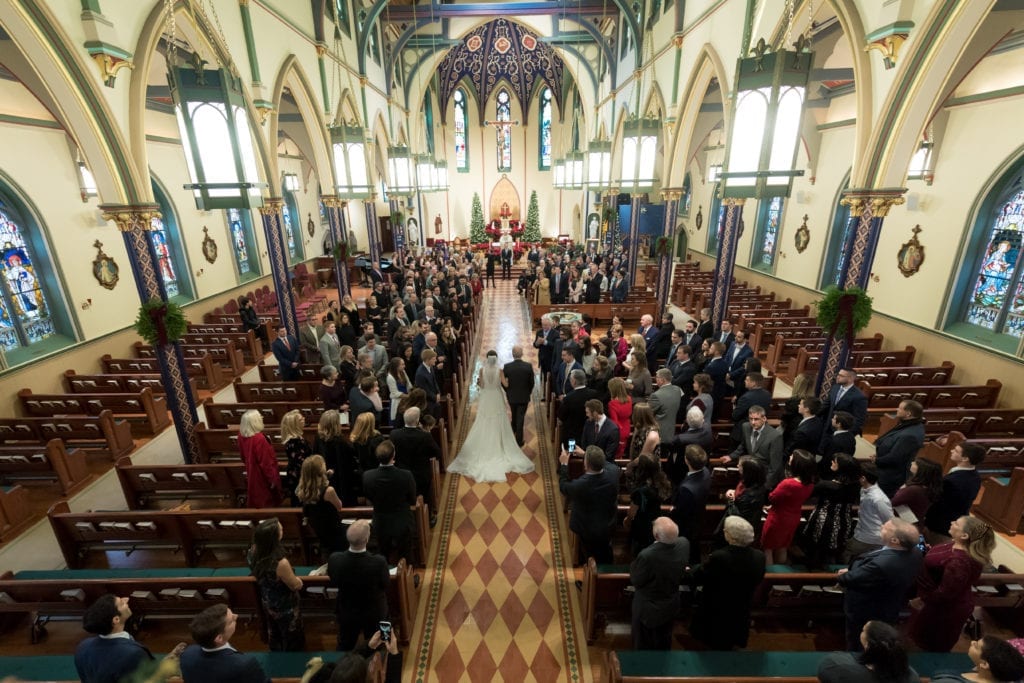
(490, 450)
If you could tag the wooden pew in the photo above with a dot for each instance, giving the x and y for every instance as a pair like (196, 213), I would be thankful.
(14, 512)
(810, 360)
(783, 350)
(980, 423)
(227, 356)
(115, 383)
(1002, 502)
(247, 392)
(144, 484)
(191, 533)
(945, 396)
(221, 415)
(250, 345)
(208, 375)
(49, 461)
(1002, 454)
(101, 433)
(146, 413)
(269, 322)
(307, 372)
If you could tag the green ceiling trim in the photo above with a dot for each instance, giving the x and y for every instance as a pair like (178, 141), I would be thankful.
(250, 41)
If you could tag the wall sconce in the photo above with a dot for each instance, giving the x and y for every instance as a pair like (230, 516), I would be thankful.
(87, 304)
(200, 272)
(874, 278)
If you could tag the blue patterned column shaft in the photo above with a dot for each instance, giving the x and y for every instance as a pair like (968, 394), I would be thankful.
(272, 228)
(868, 209)
(665, 265)
(336, 225)
(372, 228)
(634, 238)
(725, 262)
(135, 222)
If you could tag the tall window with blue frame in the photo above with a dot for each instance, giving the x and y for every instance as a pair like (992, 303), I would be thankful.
(428, 119)
(766, 241)
(292, 230)
(835, 256)
(341, 15)
(461, 126)
(503, 107)
(170, 258)
(243, 244)
(715, 214)
(544, 131)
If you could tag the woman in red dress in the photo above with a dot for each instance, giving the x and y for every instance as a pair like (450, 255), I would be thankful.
(944, 587)
(620, 411)
(263, 480)
(786, 500)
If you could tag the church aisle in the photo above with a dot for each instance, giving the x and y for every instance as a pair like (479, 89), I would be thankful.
(498, 601)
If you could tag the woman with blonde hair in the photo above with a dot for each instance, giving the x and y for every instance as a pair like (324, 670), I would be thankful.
(296, 448)
(320, 506)
(636, 343)
(639, 380)
(620, 411)
(263, 482)
(365, 439)
(342, 465)
(945, 595)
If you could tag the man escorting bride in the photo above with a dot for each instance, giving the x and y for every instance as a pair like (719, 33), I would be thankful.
(491, 450)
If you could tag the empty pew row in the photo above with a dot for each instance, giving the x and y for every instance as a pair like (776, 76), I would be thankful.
(50, 461)
(208, 375)
(114, 383)
(978, 422)
(307, 372)
(191, 533)
(247, 341)
(158, 594)
(951, 396)
(144, 411)
(783, 350)
(273, 390)
(100, 433)
(223, 415)
(229, 357)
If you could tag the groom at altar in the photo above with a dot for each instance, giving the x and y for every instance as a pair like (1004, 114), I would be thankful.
(518, 380)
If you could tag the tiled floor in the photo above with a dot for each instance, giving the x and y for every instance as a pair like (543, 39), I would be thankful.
(498, 600)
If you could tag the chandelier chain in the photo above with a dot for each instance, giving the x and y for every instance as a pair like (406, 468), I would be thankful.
(172, 29)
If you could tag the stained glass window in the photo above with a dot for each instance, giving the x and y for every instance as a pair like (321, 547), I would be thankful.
(242, 243)
(164, 263)
(428, 119)
(686, 198)
(768, 235)
(461, 126)
(504, 133)
(715, 231)
(997, 296)
(24, 312)
(545, 130)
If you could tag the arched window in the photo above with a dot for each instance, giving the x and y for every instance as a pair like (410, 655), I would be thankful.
(170, 259)
(461, 128)
(290, 219)
(341, 14)
(835, 260)
(544, 142)
(766, 241)
(504, 133)
(27, 288)
(243, 244)
(992, 283)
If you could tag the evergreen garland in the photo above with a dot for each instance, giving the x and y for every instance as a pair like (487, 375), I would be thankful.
(532, 231)
(160, 322)
(476, 222)
(844, 312)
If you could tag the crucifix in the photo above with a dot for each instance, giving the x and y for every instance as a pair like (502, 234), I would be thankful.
(504, 136)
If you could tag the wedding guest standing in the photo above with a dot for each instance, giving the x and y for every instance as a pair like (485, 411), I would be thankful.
(786, 500)
(278, 587)
(263, 482)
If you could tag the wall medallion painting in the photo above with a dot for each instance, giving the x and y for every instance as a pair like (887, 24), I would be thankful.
(911, 255)
(802, 237)
(699, 220)
(209, 246)
(310, 225)
(104, 269)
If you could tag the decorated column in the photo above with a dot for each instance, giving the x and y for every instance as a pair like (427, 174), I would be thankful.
(372, 228)
(398, 229)
(665, 247)
(135, 222)
(868, 209)
(725, 262)
(339, 241)
(634, 238)
(272, 228)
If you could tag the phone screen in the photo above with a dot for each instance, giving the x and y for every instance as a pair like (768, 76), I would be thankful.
(572, 445)
(385, 631)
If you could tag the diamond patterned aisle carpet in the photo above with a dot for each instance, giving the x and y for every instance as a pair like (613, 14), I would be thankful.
(498, 601)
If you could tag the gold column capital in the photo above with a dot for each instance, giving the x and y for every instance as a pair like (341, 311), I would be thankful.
(734, 201)
(271, 206)
(129, 217)
(321, 49)
(671, 193)
(333, 201)
(880, 200)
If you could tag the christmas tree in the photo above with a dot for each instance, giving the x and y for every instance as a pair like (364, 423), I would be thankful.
(532, 231)
(476, 222)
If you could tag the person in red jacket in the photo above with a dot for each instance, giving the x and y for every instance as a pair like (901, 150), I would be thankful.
(263, 480)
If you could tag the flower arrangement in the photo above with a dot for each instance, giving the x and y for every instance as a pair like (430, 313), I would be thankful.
(844, 312)
(663, 246)
(160, 322)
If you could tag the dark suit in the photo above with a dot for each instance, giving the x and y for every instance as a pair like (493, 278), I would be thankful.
(706, 330)
(545, 345)
(392, 492)
(619, 290)
(660, 347)
(959, 489)
(769, 451)
(726, 339)
(362, 581)
(717, 369)
(108, 660)
(358, 404)
(606, 438)
(593, 497)
(853, 401)
(702, 436)
(286, 355)
(199, 666)
(876, 588)
(688, 507)
(520, 378)
(837, 442)
(807, 436)
(426, 379)
(656, 574)
(730, 575)
(572, 413)
(894, 451)
(506, 263)
(736, 357)
(562, 385)
(649, 336)
(741, 411)
(413, 450)
(559, 288)
(682, 376)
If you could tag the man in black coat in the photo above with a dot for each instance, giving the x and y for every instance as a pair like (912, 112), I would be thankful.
(392, 492)
(414, 448)
(518, 379)
(506, 263)
(489, 269)
(426, 379)
(683, 370)
(897, 448)
(876, 584)
(807, 434)
(844, 395)
(559, 286)
(212, 659)
(572, 411)
(598, 431)
(286, 349)
(959, 489)
(691, 498)
(111, 654)
(706, 328)
(594, 284)
(544, 342)
(755, 395)
(841, 440)
(656, 574)
(593, 498)
(359, 400)
(662, 343)
(361, 578)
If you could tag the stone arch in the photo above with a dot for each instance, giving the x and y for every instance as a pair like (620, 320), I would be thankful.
(292, 76)
(504, 192)
(708, 65)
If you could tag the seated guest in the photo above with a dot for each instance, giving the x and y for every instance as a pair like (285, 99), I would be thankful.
(923, 487)
(656, 574)
(111, 655)
(995, 661)
(884, 659)
(729, 578)
(960, 487)
(896, 449)
(592, 498)
(212, 659)
(874, 511)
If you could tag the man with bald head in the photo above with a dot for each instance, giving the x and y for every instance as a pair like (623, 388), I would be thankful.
(518, 379)
(656, 574)
(361, 578)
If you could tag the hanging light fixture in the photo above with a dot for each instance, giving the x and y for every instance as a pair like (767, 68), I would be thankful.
(558, 173)
(639, 154)
(599, 165)
(573, 177)
(441, 175)
(291, 182)
(402, 171)
(771, 89)
(425, 173)
(350, 167)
